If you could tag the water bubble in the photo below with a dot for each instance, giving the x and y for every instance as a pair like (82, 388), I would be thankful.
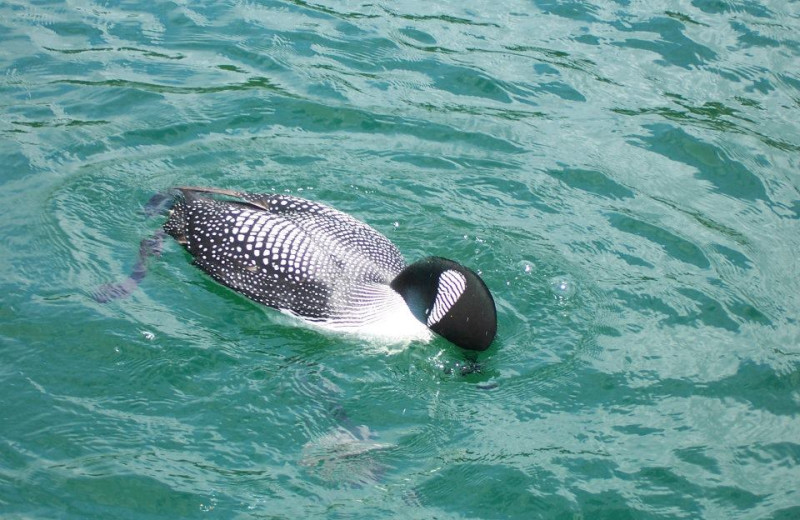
(212, 503)
(563, 287)
(526, 266)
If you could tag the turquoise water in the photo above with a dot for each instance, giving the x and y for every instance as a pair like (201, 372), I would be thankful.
(623, 174)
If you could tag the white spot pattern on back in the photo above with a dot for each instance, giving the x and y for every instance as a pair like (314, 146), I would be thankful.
(452, 285)
(292, 254)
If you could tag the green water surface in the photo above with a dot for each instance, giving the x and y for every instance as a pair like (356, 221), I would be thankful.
(624, 175)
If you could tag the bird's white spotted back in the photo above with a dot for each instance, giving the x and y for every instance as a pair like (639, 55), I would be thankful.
(303, 258)
(286, 252)
(452, 285)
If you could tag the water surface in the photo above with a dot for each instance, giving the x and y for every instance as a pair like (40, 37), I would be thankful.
(624, 175)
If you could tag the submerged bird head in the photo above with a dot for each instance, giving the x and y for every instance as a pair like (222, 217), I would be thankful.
(451, 300)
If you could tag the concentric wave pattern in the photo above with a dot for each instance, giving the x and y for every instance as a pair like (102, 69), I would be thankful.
(623, 174)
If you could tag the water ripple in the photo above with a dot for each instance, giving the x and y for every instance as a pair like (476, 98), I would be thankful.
(623, 176)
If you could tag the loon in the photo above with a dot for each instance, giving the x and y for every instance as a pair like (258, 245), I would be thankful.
(323, 266)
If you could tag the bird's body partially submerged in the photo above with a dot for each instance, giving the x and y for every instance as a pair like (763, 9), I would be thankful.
(327, 268)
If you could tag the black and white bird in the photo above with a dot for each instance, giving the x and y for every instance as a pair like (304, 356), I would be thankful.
(329, 269)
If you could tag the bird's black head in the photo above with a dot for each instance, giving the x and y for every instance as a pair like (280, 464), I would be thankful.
(451, 300)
